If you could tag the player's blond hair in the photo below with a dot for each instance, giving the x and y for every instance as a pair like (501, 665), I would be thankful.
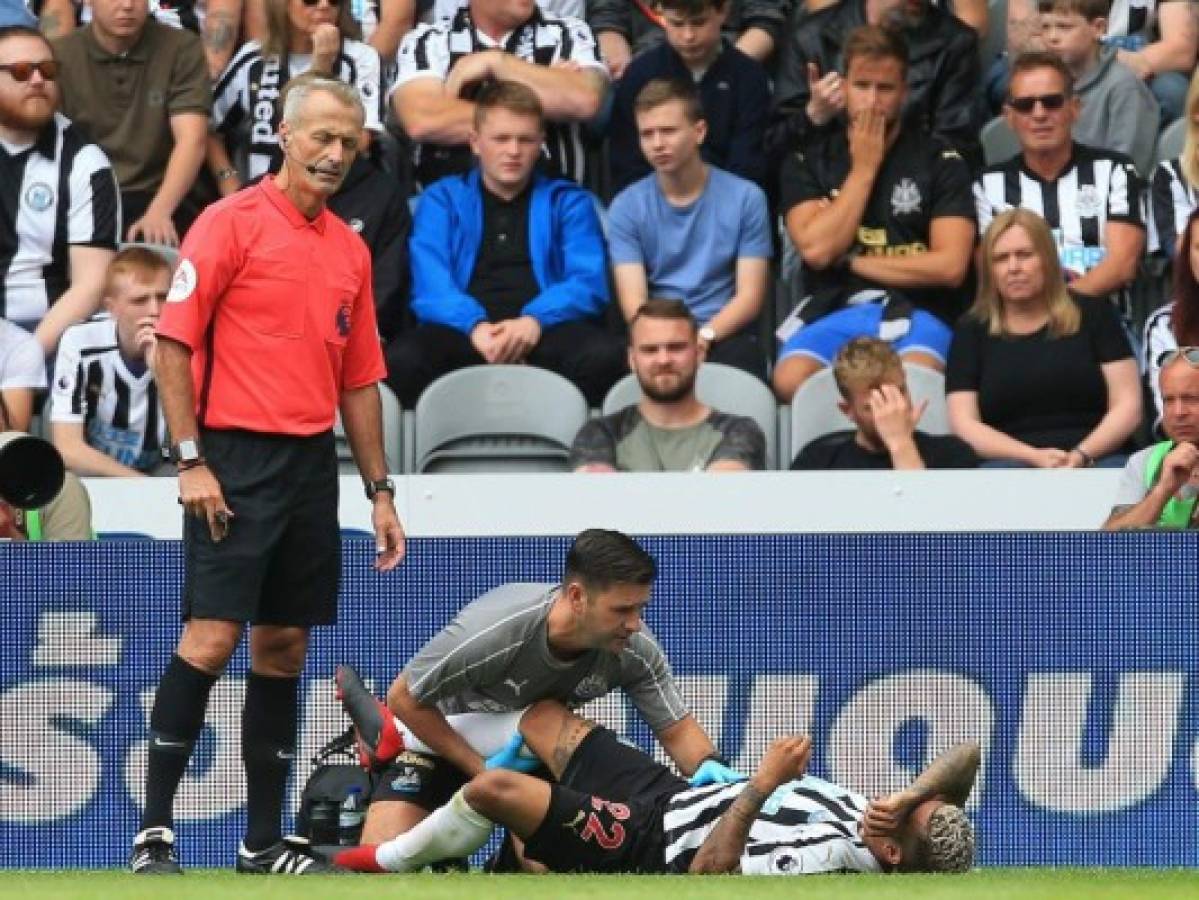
(949, 844)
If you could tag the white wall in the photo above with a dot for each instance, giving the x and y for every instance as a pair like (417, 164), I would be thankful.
(768, 502)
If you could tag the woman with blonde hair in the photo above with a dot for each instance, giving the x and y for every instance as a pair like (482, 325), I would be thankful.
(1037, 376)
(320, 35)
(1174, 189)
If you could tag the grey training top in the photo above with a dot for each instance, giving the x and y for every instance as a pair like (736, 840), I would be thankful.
(494, 657)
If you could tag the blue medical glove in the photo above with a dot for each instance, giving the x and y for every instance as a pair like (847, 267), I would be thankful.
(714, 771)
(510, 757)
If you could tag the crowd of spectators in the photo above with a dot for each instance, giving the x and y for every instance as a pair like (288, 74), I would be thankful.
(785, 186)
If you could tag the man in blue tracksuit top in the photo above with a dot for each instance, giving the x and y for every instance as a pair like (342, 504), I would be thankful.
(508, 266)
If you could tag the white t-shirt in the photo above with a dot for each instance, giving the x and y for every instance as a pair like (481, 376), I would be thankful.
(22, 364)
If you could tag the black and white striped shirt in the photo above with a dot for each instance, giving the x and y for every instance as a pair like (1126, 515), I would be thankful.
(1172, 198)
(445, 9)
(93, 386)
(430, 51)
(1157, 340)
(1096, 187)
(806, 827)
(57, 192)
(245, 100)
(1129, 17)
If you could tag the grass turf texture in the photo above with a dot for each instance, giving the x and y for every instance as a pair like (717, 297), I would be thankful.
(992, 884)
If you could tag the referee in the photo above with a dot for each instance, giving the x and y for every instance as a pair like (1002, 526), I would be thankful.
(268, 330)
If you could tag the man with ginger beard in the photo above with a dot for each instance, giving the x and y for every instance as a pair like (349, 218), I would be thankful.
(670, 430)
(65, 215)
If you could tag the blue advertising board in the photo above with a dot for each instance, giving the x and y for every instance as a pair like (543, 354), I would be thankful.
(1070, 657)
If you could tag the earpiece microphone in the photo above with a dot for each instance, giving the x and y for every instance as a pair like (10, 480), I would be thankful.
(310, 168)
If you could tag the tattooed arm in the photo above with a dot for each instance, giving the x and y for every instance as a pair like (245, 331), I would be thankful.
(721, 851)
(57, 18)
(221, 27)
(949, 777)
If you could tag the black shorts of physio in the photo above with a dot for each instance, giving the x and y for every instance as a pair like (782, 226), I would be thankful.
(280, 561)
(605, 812)
(421, 779)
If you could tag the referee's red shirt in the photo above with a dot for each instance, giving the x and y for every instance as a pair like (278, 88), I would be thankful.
(278, 312)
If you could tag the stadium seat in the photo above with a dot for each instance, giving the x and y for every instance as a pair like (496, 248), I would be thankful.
(814, 410)
(497, 418)
(1170, 141)
(725, 388)
(393, 443)
(999, 141)
(166, 251)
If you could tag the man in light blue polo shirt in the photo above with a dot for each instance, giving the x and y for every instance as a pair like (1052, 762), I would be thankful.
(691, 231)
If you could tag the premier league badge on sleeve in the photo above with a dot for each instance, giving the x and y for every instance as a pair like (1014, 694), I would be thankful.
(183, 285)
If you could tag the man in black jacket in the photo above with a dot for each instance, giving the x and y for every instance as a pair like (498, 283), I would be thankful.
(943, 72)
(375, 205)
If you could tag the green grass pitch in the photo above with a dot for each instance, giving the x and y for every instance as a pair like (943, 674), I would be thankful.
(991, 884)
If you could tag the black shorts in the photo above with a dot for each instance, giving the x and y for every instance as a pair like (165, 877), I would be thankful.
(605, 814)
(281, 560)
(421, 779)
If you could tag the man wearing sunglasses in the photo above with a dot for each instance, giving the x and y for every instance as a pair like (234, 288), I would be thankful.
(1092, 198)
(1160, 484)
(61, 194)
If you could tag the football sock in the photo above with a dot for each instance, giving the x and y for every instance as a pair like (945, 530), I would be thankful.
(452, 831)
(175, 723)
(268, 745)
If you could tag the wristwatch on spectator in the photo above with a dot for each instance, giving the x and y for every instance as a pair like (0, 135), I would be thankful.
(383, 484)
(707, 334)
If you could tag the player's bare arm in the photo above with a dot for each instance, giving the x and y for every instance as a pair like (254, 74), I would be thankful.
(787, 758)
(950, 777)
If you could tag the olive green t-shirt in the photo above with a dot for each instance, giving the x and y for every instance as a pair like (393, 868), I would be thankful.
(628, 443)
(125, 102)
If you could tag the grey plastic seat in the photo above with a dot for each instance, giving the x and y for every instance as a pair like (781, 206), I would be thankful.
(722, 387)
(1171, 140)
(999, 141)
(497, 418)
(393, 444)
(814, 410)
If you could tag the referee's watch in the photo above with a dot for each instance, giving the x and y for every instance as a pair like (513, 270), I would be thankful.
(383, 484)
(187, 453)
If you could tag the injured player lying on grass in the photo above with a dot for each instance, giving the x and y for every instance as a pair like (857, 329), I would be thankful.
(612, 808)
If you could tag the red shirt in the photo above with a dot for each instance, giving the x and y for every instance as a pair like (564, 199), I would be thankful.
(278, 312)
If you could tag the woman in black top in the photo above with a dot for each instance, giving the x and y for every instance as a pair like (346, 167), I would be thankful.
(1036, 376)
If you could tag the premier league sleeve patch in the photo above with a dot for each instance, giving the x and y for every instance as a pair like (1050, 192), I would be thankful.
(183, 284)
